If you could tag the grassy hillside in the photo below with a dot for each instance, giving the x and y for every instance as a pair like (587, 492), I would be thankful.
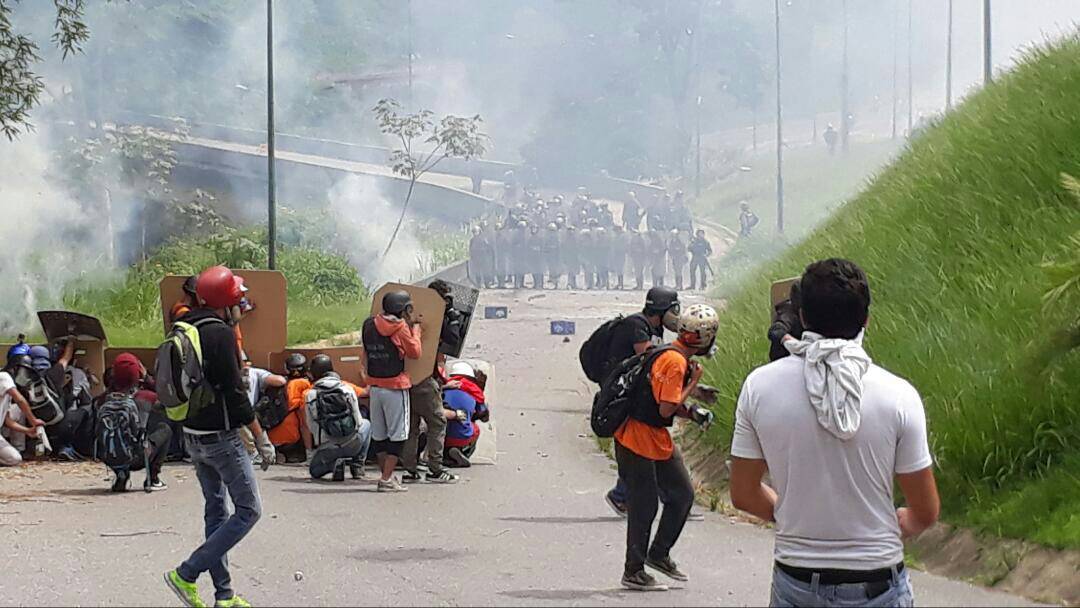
(952, 236)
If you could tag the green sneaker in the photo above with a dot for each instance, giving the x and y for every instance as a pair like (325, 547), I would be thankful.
(233, 602)
(187, 592)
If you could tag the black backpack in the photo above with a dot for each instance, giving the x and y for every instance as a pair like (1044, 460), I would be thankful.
(333, 412)
(620, 392)
(272, 407)
(117, 431)
(595, 352)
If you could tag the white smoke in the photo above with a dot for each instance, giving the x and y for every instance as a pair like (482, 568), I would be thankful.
(48, 238)
(366, 219)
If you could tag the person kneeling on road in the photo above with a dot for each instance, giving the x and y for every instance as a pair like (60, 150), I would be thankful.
(462, 407)
(17, 422)
(131, 430)
(649, 462)
(291, 436)
(340, 434)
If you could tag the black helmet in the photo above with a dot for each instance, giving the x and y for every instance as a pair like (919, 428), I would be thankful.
(321, 365)
(189, 285)
(295, 362)
(20, 360)
(660, 299)
(396, 302)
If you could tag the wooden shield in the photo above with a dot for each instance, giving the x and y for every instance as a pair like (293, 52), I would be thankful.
(780, 290)
(430, 308)
(90, 340)
(265, 329)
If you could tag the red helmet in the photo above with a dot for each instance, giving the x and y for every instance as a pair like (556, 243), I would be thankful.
(219, 287)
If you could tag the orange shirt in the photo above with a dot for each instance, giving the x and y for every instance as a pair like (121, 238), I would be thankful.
(288, 432)
(668, 380)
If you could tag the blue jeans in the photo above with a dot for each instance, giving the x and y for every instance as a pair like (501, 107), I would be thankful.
(222, 465)
(788, 592)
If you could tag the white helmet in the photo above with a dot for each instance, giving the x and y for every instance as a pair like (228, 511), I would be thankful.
(461, 368)
(698, 325)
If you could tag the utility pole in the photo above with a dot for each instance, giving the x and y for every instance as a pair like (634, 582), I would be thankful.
(895, 92)
(697, 155)
(988, 63)
(845, 112)
(910, 75)
(779, 130)
(948, 57)
(271, 194)
(408, 7)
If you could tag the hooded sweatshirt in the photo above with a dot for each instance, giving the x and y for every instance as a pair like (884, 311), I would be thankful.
(329, 382)
(407, 340)
(833, 369)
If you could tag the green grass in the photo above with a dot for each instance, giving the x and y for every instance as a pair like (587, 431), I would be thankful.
(952, 236)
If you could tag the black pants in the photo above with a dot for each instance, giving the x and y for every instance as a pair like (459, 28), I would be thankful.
(644, 479)
(75, 431)
(697, 267)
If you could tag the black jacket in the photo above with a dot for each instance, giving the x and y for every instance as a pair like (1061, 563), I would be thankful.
(221, 360)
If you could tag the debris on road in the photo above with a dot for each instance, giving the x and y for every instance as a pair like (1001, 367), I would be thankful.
(563, 328)
(298, 576)
(496, 312)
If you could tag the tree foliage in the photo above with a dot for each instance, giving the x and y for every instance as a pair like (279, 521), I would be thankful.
(20, 86)
(425, 143)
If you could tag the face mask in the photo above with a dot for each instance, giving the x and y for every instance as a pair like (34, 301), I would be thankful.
(671, 319)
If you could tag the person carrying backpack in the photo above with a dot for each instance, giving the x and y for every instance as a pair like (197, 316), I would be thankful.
(130, 434)
(216, 408)
(340, 434)
(649, 462)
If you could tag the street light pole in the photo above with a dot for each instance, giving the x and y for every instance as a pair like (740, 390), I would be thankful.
(845, 111)
(271, 194)
(779, 131)
(408, 7)
(988, 64)
(895, 92)
(910, 75)
(948, 57)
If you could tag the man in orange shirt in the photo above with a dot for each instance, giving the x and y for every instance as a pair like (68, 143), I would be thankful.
(389, 339)
(288, 435)
(649, 462)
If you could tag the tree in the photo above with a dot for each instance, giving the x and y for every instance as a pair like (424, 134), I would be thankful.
(453, 136)
(20, 87)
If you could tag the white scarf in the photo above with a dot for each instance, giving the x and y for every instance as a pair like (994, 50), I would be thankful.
(833, 371)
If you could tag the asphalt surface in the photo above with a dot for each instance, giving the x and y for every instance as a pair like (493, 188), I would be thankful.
(530, 530)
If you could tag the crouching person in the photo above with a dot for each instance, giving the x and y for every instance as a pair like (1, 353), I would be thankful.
(131, 431)
(17, 422)
(464, 404)
(340, 434)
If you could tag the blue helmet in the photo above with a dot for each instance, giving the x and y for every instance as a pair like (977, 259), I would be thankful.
(22, 348)
(40, 357)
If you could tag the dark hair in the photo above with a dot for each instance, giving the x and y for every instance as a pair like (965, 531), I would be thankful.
(835, 298)
(441, 286)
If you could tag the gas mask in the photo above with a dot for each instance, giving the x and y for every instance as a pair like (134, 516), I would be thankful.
(670, 320)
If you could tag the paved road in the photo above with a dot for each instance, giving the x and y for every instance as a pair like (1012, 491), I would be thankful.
(531, 530)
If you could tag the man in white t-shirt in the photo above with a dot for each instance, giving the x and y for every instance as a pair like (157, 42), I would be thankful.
(833, 430)
(17, 422)
(256, 381)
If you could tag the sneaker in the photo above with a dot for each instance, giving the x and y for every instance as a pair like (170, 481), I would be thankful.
(618, 507)
(233, 602)
(187, 592)
(69, 454)
(642, 581)
(411, 477)
(441, 477)
(356, 471)
(339, 473)
(154, 485)
(456, 458)
(393, 485)
(120, 484)
(667, 567)
(695, 516)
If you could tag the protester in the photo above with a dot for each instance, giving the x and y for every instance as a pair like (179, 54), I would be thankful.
(390, 338)
(747, 220)
(786, 324)
(648, 460)
(131, 429)
(700, 252)
(463, 406)
(259, 383)
(291, 437)
(188, 301)
(17, 422)
(340, 434)
(834, 431)
(213, 441)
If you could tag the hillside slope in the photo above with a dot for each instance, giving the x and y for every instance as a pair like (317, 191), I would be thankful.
(952, 236)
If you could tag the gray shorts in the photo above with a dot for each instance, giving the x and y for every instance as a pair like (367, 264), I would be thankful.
(389, 414)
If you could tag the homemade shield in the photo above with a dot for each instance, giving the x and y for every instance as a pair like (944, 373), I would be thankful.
(89, 336)
(464, 298)
(429, 308)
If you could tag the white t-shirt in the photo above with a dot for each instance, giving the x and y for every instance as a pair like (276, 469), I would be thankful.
(6, 384)
(835, 507)
(256, 383)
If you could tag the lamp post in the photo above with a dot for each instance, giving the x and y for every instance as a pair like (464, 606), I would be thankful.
(948, 56)
(271, 194)
(988, 64)
(779, 130)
